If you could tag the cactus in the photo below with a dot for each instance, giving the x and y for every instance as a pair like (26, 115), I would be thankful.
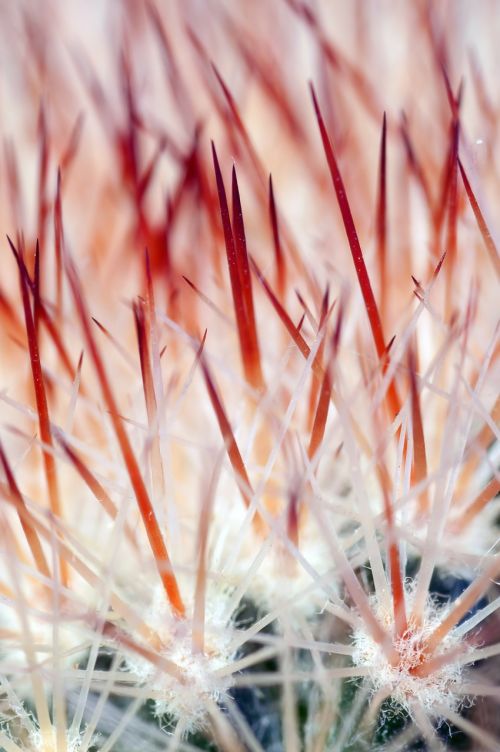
(248, 436)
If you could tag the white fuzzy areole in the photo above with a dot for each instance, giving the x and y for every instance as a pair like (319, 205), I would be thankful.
(37, 743)
(440, 687)
(186, 701)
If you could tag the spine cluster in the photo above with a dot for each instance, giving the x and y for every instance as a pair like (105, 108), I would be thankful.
(248, 377)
